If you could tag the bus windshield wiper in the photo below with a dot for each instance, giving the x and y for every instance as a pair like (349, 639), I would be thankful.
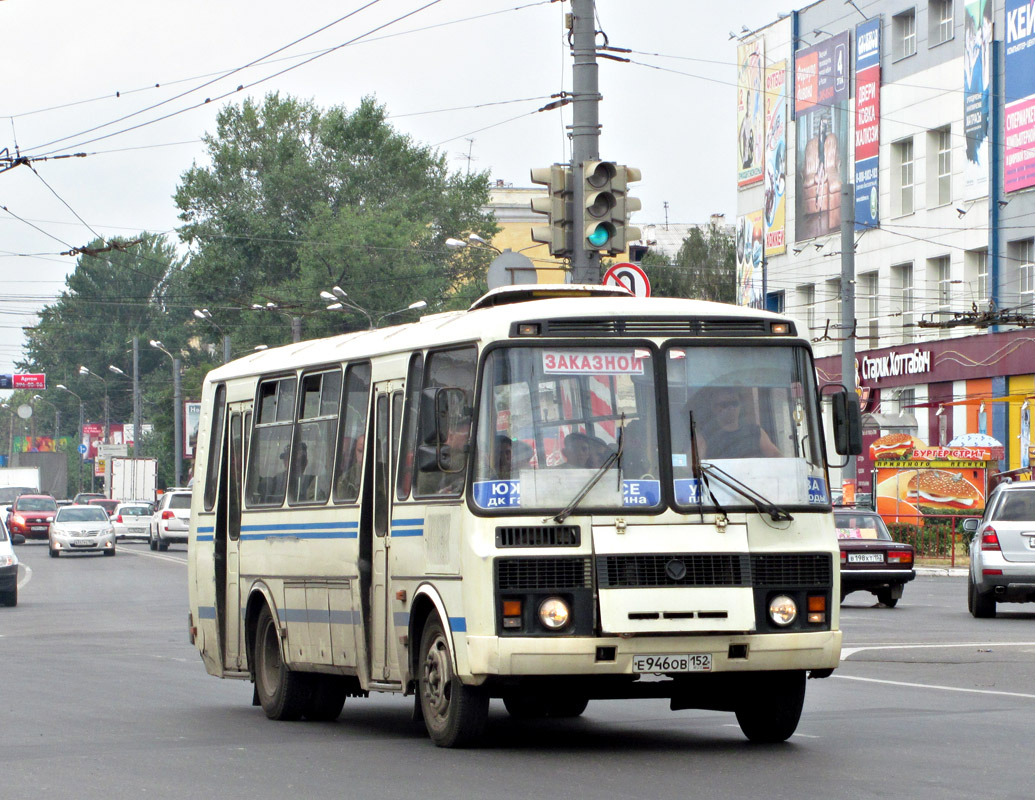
(609, 462)
(699, 474)
(761, 504)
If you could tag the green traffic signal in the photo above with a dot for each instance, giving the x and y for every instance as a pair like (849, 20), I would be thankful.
(599, 236)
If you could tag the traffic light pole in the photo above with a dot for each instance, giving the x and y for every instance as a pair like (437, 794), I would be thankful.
(585, 137)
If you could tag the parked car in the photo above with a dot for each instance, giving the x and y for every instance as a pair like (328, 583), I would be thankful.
(85, 497)
(31, 515)
(171, 520)
(107, 504)
(8, 566)
(132, 520)
(871, 560)
(81, 529)
(1002, 550)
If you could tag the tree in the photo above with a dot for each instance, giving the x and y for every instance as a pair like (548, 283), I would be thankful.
(705, 268)
(297, 200)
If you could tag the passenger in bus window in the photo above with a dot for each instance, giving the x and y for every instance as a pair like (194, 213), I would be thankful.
(583, 450)
(348, 482)
(502, 458)
(724, 432)
(636, 458)
(454, 452)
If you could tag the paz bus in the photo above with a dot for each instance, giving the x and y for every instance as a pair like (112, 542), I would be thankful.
(561, 494)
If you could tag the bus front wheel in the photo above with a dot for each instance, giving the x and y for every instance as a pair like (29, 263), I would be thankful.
(769, 710)
(283, 693)
(454, 714)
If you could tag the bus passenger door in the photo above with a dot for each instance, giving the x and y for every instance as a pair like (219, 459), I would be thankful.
(384, 664)
(233, 639)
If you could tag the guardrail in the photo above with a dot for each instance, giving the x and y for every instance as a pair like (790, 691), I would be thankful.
(936, 539)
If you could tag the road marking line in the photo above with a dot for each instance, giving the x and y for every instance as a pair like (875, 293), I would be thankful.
(935, 686)
(25, 574)
(156, 556)
(847, 652)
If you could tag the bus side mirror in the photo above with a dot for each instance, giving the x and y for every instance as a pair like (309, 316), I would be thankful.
(438, 408)
(847, 423)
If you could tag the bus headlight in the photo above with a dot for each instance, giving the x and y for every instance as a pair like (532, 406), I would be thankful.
(554, 613)
(783, 610)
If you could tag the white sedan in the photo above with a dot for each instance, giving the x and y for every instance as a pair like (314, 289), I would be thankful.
(81, 529)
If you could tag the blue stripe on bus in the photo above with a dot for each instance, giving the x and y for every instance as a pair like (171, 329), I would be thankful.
(401, 619)
(407, 527)
(206, 612)
(458, 624)
(294, 525)
(206, 529)
(300, 534)
(418, 521)
(205, 538)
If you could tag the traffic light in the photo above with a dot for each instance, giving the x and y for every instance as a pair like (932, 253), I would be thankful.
(557, 206)
(607, 206)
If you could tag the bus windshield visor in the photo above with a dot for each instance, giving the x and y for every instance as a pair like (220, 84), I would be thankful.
(550, 418)
(748, 416)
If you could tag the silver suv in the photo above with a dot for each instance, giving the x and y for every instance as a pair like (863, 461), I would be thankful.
(171, 520)
(1002, 552)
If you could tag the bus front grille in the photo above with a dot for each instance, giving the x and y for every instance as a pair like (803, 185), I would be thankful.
(804, 570)
(653, 570)
(674, 326)
(534, 574)
(538, 536)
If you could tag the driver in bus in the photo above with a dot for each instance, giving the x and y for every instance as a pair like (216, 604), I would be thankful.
(724, 431)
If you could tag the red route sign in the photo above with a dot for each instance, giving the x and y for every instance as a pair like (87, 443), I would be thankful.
(29, 381)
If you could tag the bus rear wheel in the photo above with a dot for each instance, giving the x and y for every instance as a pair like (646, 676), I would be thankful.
(454, 714)
(770, 709)
(283, 693)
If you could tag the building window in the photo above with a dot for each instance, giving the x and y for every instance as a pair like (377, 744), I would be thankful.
(902, 303)
(903, 33)
(975, 268)
(902, 177)
(939, 167)
(906, 401)
(940, 19)
(939, 278)
(807, 303)
(1022, 262)
(868, 286)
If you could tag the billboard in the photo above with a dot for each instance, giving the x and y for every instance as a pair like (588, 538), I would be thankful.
(1019, 124)
(750, 111)
(867, 123)
(821, 90)
(191, 420)
(775, 158)
(23, 381)
(977, 38)
(750, 262)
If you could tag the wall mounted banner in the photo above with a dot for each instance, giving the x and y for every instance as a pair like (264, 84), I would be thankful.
(1019, 124)
(775, 158)
(750, 233)
(977, 38)
(867, 123)
(750, 111)
(821, 90)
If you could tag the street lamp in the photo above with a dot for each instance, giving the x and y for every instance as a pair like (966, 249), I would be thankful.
(342, 301)
(410, 307)
(136, 400)
(82, 456)
(177, 411)
(107, 421)
(296, 321)
(473, 239)
(205, 314)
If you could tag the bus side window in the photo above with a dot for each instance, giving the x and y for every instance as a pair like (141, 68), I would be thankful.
(408, 444)
(271, 441)
(348, 470)
(453, 369)
(215, 443)
(313, 448)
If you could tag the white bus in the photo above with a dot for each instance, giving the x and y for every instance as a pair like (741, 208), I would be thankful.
(562, 494)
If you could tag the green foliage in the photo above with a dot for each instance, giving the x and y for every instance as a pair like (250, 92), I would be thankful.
(932, 539)
(705, 268)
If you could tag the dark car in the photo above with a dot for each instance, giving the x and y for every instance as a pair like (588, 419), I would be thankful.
(85, 497)
(31, 515)
(106, 503)
(871, 561)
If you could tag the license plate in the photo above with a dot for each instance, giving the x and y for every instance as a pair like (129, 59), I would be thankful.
(865, 558)
(38, 528)
(83, 543)
(688, 662)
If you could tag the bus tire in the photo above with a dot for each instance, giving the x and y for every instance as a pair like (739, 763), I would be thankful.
(454, 714)
(769, 710)
(283, 693)
(326, 698)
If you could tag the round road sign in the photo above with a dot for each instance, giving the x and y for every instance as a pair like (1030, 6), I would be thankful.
(628, 276)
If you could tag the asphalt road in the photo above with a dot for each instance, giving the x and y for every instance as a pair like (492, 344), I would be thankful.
(102, 696)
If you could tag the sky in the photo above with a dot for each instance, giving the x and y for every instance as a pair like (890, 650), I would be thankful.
(126, 82)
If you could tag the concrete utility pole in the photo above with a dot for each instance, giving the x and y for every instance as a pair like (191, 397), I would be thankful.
(136, 395)
(177, 422)
(585, 138)
(848, 301)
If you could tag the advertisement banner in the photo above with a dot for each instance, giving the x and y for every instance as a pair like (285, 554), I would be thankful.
(191, 419)
(1019, 124)
(750, 111)
(749, 260)
(775, 158)
(977, 38)
(93, 435)
(821, 82)
(867, 122)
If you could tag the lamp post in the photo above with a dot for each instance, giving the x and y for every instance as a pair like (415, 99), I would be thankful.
(342, 301)
(136, 401)
(79, 481)
(57, 417)
(296, 321)
(205, 314)
(107, 421)
(177, 412)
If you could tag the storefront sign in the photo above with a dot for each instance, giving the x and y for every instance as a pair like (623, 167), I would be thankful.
(893, 365)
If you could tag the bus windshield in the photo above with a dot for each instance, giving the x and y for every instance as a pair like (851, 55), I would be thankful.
(754, 412)
(551, 416)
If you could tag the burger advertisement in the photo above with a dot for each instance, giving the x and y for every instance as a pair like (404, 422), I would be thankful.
(914, 481)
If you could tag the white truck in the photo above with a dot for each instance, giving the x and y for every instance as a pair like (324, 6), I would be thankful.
(133, 479)
(15, 481)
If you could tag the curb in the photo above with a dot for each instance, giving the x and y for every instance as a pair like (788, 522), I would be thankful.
(941, 572)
